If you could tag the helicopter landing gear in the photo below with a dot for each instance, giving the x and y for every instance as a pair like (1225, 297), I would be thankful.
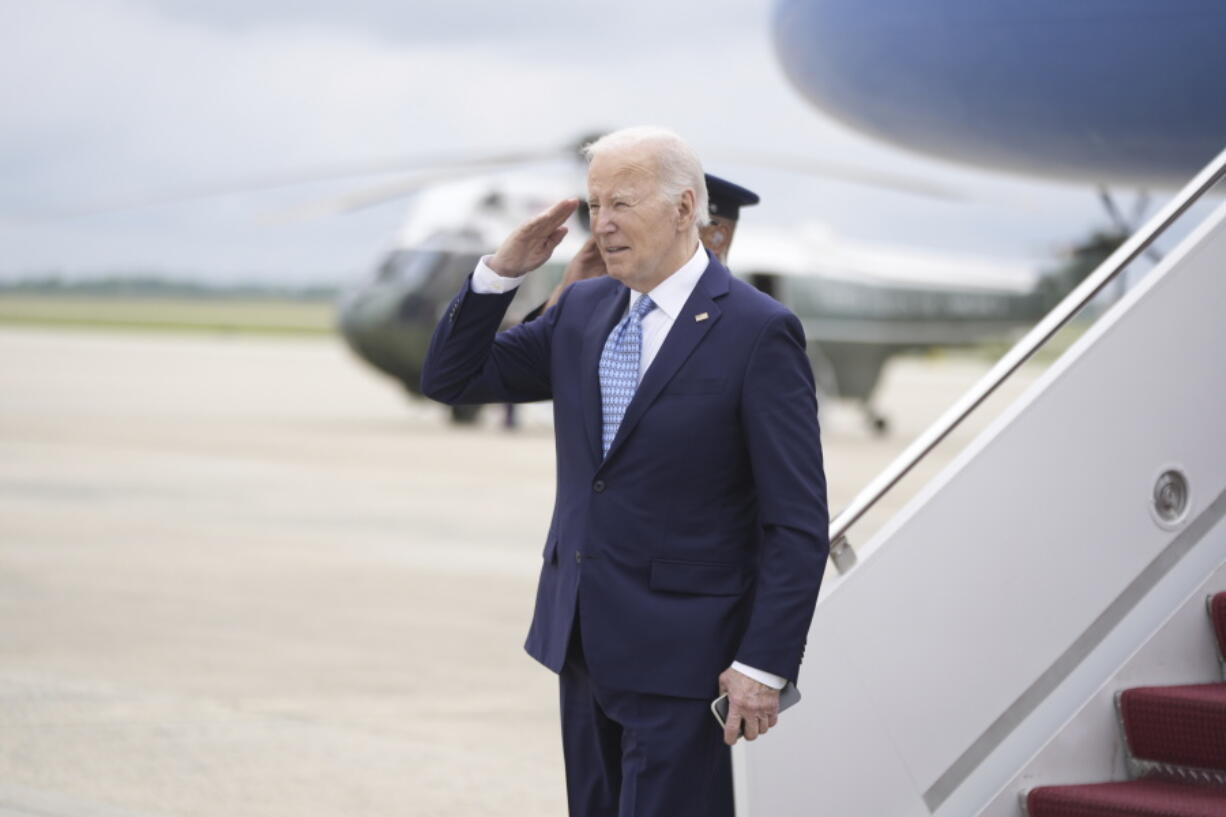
(878, 423)
(464, 415)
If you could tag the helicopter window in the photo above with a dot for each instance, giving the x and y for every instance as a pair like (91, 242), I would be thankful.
(409, 267)
(447, 276)
(462, 263)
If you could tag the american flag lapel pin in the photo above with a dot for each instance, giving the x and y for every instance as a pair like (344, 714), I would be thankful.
(701, 316)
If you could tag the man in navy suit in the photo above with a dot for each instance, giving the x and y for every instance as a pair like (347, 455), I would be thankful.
(689, 532)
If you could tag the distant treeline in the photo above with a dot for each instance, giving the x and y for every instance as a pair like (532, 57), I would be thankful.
(153, 285)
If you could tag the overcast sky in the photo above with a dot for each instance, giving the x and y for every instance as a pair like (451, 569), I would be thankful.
(107, 101)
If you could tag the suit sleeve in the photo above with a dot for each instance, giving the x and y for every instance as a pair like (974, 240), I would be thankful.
(779, 422)
(469, 361)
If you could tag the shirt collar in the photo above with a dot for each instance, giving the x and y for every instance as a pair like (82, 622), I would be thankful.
(671, 294)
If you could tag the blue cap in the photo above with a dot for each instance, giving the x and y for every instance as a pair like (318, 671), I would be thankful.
(726, 199)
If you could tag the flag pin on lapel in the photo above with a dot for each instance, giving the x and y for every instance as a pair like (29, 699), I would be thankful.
(701, 316)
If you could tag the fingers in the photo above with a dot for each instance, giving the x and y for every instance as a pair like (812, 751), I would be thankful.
(732, 727)
(555, 238)
(752, 727)
(751, 706)
(748, 721)
(533, 242)
(755, 725)
(547, 222)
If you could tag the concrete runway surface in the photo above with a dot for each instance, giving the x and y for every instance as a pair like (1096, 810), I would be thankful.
(245, 576)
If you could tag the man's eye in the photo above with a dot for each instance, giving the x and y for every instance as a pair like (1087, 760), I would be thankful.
(621, 204)
(593, 206)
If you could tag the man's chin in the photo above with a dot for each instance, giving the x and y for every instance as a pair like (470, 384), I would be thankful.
(619, 271)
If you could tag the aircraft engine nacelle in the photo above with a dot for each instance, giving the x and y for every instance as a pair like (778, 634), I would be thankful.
(1097, 90)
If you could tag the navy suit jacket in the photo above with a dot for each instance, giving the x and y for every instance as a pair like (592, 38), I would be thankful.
(702, 537)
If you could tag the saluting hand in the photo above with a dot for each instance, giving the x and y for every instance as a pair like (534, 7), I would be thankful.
(749, 702)
(533, 241)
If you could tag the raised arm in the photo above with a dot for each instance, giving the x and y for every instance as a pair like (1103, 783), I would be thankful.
(469, 361)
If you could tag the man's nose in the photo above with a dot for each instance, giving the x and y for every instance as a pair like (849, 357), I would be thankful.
(603, 222)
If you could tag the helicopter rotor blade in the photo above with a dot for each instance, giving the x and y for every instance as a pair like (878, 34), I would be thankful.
(839, 171)
(454, 165)
(356, 200)
(445, 166)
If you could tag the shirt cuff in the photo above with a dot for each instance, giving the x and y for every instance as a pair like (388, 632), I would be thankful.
(487, 282)
(761, 676)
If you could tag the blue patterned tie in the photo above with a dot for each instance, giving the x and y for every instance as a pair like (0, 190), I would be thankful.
(619, 368)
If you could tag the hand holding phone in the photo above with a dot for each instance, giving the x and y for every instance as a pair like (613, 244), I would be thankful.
(788, 696)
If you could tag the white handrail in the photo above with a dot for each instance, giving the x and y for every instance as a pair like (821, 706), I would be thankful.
(841, 553)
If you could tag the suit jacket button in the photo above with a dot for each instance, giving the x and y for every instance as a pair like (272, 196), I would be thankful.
(578, 557)
(598, 486)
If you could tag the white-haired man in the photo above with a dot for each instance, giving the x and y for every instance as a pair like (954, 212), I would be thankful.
(688, 538)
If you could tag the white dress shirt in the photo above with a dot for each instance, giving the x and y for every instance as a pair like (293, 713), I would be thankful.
(669, 296)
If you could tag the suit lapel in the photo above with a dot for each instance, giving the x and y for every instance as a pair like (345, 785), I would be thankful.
(684, 336)
(606, 315)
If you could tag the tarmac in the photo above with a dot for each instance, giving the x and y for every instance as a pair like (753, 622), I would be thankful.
(247, 576)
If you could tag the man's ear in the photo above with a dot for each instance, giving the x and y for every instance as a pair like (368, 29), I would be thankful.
(686, 214)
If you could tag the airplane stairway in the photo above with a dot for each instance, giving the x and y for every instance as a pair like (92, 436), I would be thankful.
(971, 647)
(1175, 737)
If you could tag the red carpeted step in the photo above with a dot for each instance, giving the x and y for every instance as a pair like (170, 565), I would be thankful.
(1184, 725)
(1217, 613)
(1132, 798)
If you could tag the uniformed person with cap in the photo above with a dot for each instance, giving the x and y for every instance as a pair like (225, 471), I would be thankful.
(725, 202)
